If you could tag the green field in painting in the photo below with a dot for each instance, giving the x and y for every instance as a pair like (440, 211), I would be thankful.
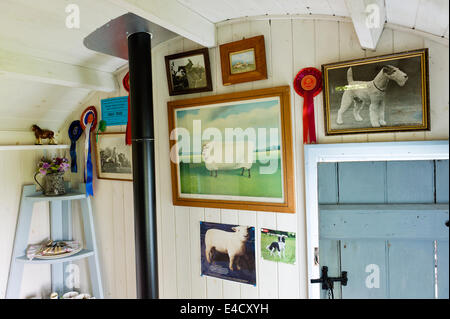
(267, 239)
(196, 179)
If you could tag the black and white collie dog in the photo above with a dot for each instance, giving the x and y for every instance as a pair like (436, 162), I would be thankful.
(278, 246)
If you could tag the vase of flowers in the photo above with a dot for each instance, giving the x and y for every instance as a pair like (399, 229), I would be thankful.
(52, 171)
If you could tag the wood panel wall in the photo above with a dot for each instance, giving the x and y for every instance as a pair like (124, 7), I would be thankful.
(290, 46)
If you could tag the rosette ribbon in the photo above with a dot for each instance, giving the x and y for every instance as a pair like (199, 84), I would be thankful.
(75, 131)
(126, 86)
(88, 123)
(308, 83)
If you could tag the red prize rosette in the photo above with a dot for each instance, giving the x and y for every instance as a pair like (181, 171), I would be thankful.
(89, 115)
(308, 83)
(126, 86)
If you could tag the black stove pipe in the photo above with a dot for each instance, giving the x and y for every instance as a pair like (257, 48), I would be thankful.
(142, 137)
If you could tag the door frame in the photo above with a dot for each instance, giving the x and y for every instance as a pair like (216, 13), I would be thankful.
(353, 152)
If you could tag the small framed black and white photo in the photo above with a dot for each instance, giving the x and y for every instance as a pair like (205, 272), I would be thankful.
(387, 93)
(188, 72)
(113, 157)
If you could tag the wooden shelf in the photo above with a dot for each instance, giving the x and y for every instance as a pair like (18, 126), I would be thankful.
(84, 253)
(32, 147)
(70, 195)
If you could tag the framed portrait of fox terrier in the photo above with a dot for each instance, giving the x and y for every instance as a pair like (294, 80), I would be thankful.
(386, 93)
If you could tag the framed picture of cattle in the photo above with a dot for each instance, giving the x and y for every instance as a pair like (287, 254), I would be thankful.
(188, 72)
(243, 60)
(228, 252)
(233, 151)
(113, 157)
(387, 93)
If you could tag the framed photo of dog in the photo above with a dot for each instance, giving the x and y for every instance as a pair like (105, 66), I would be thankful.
(386, 93)
(233, 151)
(278, 246)
(188, 72)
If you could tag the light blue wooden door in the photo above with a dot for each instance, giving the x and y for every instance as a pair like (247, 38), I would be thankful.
(384, 223)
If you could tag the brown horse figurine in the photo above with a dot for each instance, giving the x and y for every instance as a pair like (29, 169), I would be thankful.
(43, 134)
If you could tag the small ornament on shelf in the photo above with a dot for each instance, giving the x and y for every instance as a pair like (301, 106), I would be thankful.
(43, 134)
(50, 249)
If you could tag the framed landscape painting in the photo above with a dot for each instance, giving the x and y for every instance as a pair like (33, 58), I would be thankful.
(243, 60)
(386, 93)
(233, 151)
(188, 72)
(113, 157)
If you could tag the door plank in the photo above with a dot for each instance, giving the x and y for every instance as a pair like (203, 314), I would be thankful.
(442, 181)
(362, 182)
(327, 180)
(410, 182)
(329, 256)
(365, 263)
(384, 221)
(411, 268)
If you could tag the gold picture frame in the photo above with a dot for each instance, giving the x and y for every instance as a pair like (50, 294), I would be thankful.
(238, 66)
(387, 93)
(195, 184)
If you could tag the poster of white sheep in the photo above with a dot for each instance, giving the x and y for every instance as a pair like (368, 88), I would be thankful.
(233, 151)
(228, 252)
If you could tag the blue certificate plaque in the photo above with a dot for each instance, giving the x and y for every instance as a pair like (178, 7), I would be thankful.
(115, 110)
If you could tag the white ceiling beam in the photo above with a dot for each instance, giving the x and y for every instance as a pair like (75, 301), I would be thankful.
(368, 18)
(31, 68)
(173, 16)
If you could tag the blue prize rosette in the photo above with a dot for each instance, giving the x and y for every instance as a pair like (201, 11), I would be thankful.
(88, 123)
(75, 131)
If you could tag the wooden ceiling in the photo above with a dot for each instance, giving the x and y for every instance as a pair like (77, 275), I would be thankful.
(425, 15)
(46, 72)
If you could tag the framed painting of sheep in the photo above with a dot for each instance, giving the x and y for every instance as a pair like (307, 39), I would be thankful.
(379, 94)
(228, 252)
(233, 151)
(188, 72)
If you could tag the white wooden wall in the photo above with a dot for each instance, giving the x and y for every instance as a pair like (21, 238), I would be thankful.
(290, 46)
(17, 168)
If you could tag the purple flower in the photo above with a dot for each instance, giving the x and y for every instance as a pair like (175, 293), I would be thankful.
(63, 167)
(58, 164)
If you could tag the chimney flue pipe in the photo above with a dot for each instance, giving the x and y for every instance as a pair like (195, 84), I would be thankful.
(142, 136)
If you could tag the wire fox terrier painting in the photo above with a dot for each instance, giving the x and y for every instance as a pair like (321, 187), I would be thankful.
(387, 93)
(361, 94)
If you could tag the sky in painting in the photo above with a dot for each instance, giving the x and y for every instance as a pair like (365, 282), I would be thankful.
(262, 113)
(243, 57)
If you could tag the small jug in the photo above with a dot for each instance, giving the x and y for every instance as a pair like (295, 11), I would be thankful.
(53, 184)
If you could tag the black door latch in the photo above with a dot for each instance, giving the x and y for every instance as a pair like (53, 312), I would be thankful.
(328, 282)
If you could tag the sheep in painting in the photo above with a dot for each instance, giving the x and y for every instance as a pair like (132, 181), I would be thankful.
(231, 243)
(216, 156)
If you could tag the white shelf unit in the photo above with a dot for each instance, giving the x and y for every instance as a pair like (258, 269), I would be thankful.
(61, 229)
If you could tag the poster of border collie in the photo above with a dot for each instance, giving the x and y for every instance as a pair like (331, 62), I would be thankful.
(278, 245)
(228, 252)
